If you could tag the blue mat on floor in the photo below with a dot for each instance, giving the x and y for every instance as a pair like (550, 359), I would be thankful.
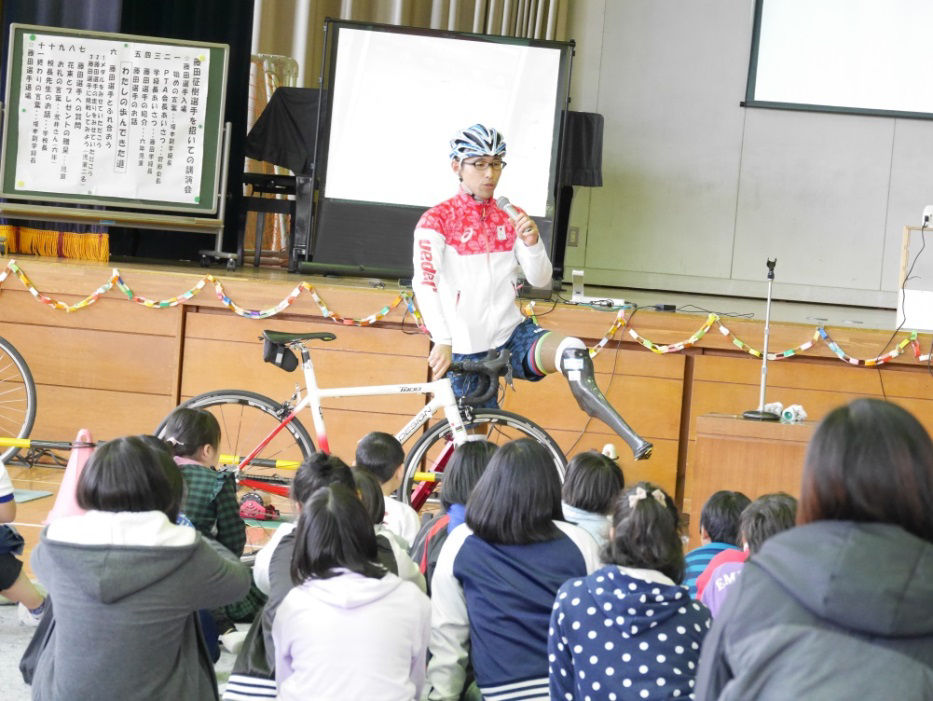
(21, 496)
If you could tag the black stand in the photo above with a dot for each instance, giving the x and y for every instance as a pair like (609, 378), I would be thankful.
(760, 414)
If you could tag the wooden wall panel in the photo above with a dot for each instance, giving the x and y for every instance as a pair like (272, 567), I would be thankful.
(106, 314)
(915, 383)
(118, 365)
(797, 372)
(357, 357)
(94, 359)
(347, 427)
(645, 388)
(255, 290)
(243, 368)
(730, 385)
(213, 324)
(106, 413)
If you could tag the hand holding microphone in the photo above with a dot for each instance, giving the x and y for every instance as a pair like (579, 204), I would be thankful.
(525, 227)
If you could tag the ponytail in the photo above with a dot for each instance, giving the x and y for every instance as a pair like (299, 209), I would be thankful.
(646, 532)
(186, 430)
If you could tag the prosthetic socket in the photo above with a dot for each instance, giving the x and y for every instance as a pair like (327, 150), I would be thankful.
(576, 365)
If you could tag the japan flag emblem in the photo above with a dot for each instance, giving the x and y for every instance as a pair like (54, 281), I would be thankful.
(500, 232)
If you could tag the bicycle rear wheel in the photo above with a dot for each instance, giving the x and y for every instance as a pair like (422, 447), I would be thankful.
(17, 397)
(433, 449)
(245, 419)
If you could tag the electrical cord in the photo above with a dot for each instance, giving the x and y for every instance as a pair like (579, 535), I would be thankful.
(907, 278)
(694, 309)
(607, 304)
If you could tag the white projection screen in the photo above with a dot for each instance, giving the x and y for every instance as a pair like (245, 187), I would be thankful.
(862, 56)
(396, 96)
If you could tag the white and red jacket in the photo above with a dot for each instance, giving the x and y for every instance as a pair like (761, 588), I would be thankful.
(467, 257)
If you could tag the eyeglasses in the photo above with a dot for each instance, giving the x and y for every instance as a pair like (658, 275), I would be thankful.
(484, 165)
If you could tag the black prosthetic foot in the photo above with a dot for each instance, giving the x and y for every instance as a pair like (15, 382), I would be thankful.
(577, 366)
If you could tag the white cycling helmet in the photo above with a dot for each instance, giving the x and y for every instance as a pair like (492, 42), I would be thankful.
(477, 140)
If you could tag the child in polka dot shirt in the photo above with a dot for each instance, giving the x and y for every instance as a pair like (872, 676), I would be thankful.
(629, 630)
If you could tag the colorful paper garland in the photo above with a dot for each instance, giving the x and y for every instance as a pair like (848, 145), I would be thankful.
(620, 322)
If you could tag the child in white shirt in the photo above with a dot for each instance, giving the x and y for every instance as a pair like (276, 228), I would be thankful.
(14, 584)
(383, 456)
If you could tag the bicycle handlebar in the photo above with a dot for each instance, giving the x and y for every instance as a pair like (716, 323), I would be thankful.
(493, 366)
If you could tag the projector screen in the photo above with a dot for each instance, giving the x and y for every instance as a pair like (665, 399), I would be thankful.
(842, 55)
(396, 96)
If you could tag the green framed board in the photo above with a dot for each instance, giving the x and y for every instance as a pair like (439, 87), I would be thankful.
(113, 120)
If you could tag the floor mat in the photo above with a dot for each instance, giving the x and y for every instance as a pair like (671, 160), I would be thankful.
(20, 496)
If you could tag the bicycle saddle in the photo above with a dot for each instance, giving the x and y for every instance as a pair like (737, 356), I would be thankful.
(282, 337)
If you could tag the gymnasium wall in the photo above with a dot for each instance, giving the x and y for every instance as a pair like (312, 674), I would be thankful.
(698, 191)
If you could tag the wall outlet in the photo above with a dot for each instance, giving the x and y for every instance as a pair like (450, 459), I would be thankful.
(573, 236)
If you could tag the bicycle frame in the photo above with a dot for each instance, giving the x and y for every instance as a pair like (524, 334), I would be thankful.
(442, 397)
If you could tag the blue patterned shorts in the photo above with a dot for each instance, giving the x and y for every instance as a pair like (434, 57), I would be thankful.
(519, 343)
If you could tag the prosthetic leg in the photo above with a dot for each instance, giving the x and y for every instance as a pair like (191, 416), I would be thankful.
(576, 365)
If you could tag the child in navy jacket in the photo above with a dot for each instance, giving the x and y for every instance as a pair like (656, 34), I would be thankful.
(497, 577)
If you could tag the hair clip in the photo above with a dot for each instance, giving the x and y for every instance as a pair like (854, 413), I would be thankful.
(640, 494)
(174, 441)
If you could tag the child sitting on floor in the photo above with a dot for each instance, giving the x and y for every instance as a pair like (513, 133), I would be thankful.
(497, 575)
(719, 530)
(392, 552)
(253, 675)
(126, 582)
(763, 518)
(466, 466)
(629, 630)
(345, 609)
(14, 584)
(210, 503)
(383, 456)
(591, 486)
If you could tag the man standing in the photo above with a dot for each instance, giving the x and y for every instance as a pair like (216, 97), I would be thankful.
(467, 254)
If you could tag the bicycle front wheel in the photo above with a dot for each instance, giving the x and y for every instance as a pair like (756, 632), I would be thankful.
(245, 419)
(17, 397)
(433, 449)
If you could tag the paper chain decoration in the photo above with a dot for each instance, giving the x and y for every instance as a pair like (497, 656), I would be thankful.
(116, 280)
(819, 334)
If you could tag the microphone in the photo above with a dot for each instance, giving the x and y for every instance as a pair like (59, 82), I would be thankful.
(504, 204)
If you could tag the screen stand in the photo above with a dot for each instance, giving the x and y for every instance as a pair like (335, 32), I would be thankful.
(217, 253)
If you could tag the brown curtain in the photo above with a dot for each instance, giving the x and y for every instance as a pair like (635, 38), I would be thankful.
(295, 27)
